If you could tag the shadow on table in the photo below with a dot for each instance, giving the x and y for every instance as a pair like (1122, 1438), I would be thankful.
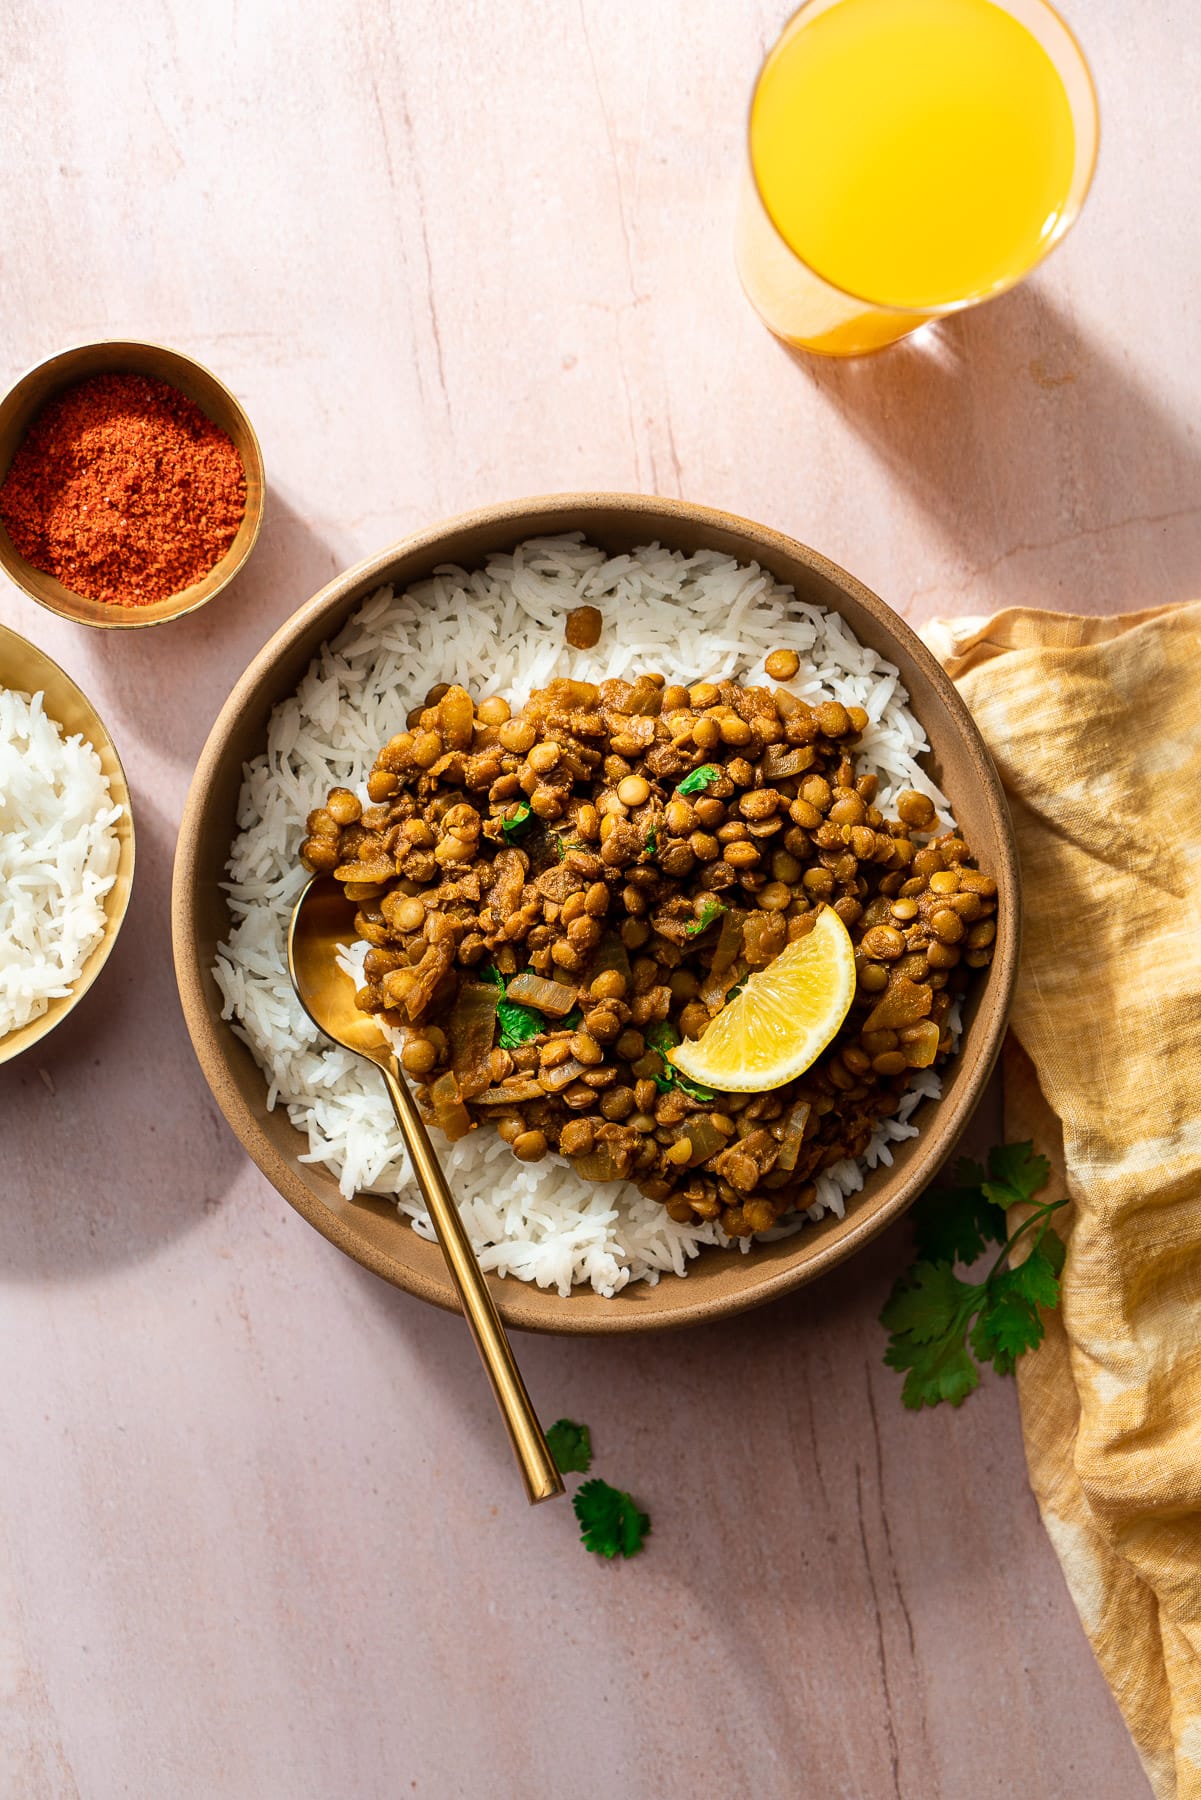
(849, 1296)
(829, 1579)
(168, 683)
(108, 1192)
(773, 1428)
(1008, 404)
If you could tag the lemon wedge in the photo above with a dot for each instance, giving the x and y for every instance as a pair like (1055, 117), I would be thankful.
(782, 1020)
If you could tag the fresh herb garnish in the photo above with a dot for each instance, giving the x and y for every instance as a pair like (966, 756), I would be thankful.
(710, 913)
(513, 826)
(699, 779)
(664, 1037)
(518, 1023)
(651, 842)
(933, 1316)
(571, 1446)
(953, 1224)
(610, 1523)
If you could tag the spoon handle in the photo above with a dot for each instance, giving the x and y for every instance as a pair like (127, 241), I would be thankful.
(541, 1477)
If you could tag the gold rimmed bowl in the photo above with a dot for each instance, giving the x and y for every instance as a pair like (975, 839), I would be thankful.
(31, 393)
(718, 1283)
(28, 670)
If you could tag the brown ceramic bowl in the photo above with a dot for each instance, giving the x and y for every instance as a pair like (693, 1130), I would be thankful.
(29, 670)
(371, 1231)
(24, 401)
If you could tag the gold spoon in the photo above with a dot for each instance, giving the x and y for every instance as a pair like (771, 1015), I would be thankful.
(322, 919)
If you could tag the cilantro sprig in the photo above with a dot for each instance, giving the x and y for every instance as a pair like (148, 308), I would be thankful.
(611, 1523)
(571, 1446)
(941, 1327)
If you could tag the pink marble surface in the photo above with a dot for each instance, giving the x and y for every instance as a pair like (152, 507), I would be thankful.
(259, 1535)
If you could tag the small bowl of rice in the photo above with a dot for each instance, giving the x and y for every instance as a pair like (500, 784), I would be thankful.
(66, 845)
(493, 602)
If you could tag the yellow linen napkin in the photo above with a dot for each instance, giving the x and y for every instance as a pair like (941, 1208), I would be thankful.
(1095, 726)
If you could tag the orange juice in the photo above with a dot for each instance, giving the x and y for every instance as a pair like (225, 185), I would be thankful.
(912, 154)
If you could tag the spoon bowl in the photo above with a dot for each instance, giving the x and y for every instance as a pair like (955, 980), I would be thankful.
(322, 920)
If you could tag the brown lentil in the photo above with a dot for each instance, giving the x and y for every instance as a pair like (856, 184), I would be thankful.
(555, 845)
(782, 665)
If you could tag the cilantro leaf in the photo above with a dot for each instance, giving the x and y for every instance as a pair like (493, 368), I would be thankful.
(699, 779)
(1015, 1174)
(941, 1370)
(518, 1024)
(967, 1173)
(651, 842)
(710, 912)
(927, 1303)
(1037, 1279)
(514, 826)
(664, 1037)
(953, 1224)
(1056, 1253)
(571, 1446)
(1008, 1323)
(610, 1523)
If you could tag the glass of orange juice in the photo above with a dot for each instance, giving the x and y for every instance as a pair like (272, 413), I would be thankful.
(909, 158)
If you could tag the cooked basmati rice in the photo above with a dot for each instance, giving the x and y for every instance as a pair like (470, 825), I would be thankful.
(58, 858)
(499, 630)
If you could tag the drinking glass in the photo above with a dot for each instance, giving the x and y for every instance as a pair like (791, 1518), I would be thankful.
(900, 157)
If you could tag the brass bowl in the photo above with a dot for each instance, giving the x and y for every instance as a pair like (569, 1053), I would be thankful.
(371, 1230)
(28, 671)
(24, 401)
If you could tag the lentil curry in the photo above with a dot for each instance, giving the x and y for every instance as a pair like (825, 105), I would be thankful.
(552, 899)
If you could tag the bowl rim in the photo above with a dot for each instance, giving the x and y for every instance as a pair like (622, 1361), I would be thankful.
(208, 1031)
(132, 618)
(16, 1043)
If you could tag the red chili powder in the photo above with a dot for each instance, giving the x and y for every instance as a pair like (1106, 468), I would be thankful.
(123, 490)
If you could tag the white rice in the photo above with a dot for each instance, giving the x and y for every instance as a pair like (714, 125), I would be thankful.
(58, 858)
(499, 630)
